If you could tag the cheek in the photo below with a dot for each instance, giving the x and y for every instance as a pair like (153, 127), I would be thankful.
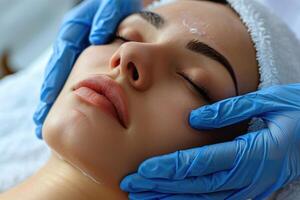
(94, 60)
(162, 126)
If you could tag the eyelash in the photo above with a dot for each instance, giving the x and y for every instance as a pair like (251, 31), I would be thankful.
(119, 37)
(200, 90)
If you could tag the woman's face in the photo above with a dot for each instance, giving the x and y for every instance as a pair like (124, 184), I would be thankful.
(188, 44)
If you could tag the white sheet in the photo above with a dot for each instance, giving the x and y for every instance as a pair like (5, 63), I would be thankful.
(21, 153)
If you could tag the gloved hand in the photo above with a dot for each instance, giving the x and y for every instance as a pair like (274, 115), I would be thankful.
(91, 22)
(251, 166)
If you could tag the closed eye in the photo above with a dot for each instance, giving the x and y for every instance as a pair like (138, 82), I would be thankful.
(119, 37)
(200, 90)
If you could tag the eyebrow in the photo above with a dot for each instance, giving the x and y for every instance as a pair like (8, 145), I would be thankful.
(197, 46)
(204, 49)
(154, 19)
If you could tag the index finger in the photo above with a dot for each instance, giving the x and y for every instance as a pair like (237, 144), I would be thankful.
(237, 109)
(77, 23)
(108, 16)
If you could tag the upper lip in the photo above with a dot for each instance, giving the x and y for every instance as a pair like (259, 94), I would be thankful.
(107, 87)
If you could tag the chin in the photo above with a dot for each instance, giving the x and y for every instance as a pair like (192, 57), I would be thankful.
(60, 130)
(88, 139)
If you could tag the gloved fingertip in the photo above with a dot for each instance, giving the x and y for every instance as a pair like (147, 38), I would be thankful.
(134, 196)
(136, 183)
(38, 132)
(38, 114)
(41, 113)
(194, 119)
(47, 95)
(126, 184)
(204, 112)
(148, 169)
(202, 118)
(98, 39)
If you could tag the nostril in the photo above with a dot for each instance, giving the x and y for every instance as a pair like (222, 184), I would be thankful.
(115, 63)
(118, 62)
(133, 70)
(135, 74)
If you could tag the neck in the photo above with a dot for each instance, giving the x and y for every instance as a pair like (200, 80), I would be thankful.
(60, 180)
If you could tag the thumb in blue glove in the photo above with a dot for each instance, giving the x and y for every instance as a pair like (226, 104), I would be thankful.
(92, 22)
(251, 166)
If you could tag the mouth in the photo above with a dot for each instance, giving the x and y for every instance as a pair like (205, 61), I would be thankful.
(104, 92)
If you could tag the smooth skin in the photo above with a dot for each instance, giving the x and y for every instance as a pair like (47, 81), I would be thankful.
(96, 144)
(159, 99)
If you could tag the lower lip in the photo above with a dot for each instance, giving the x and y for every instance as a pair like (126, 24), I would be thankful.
(92, 97)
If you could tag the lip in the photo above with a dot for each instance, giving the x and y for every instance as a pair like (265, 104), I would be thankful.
(106, 87)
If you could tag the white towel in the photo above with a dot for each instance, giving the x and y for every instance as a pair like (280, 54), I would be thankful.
(21, 153)
(278, 49)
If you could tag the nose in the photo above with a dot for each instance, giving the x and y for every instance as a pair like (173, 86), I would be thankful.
(136, 63)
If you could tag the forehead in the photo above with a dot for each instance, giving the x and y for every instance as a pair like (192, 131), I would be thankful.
(198, 6)
(194, 6)
(215, 24)
(205, 20)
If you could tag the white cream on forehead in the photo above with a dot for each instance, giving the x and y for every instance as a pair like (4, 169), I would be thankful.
(187, 20)
(195, 27)
(192, 28)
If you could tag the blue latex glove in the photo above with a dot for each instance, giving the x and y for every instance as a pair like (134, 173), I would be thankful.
(251, 166)
(91, 22)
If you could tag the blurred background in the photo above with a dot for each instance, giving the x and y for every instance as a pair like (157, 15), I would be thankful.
(28, 27)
